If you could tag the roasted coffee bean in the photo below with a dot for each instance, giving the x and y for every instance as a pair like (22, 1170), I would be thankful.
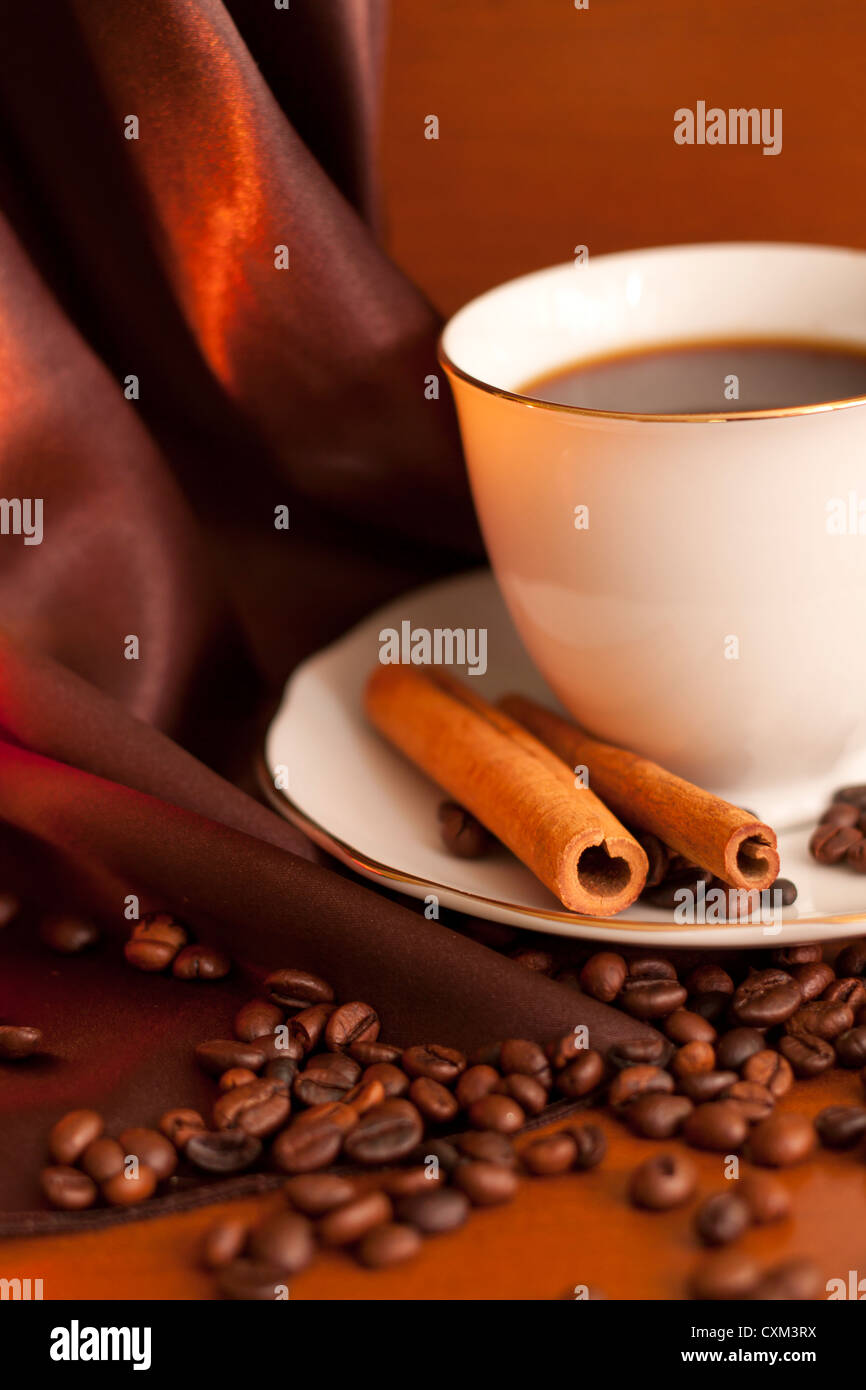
(386, 1133)
(765, 998)
(155, 941)
(308, 1026)
(326, 1077)
(581, 1076)
(709, 978)
(150, 1147)
(683, 1027)
(703, 1086)
(239, 1076)
(769, 1069)
(656, 1115)
(736, 1047)
(529, 1093)
(798, 1279)
(804, 954)
(225, 1151)
(692, 1058)
(297, 989)
(666, 895)
(251, 1281)
(486, 1184)
(847, 990)
(314, 1194)
(718, 1126)
(754, 1102)
(389, 1244)
(370, 1054)
(721, 1218)
(637, 1081)
(488, 1146)
(651, 998)
(496, 1112)
(223, 1242)
(851, 1047)
(103, 1158)
(526, 1058)
(786, 890)
(725, 1275)
(433, 1213)
(346, 1224)
(130, 1187)
(829, 844)
(841, 1126)
(477, 1082)
(853, 794)
(285, 1240)
(67, 1188)
(821, 1019)
(439, 1063)
(591, 1146)
(406, 1182)
(767, 1198)
(808, 1055)
(603, 976)
(260, 1108)
(394, 1080)
(462, 835)
(841, 813)
(554, 1153)
(256, 1019)
(813, 978)
(663, 1182)
(180, 1125)
(435, 1101)
(332, 1112)
(221, 1054)
(68, 935)
(782, 1140)
(541, 962)
(304, 1148)
(713, 1006)
(71, 1135)
(355, 1022)
(851, 960)
(367, 1094)
(18, 1042)
(650, 1052)
(282, 1070)
(855, 856)
(201, 963)
(283, 1042)
(445, 1153)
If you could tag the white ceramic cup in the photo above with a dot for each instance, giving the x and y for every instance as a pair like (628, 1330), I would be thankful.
(712, 614)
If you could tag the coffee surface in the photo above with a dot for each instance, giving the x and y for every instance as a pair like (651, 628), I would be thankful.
(708, 378)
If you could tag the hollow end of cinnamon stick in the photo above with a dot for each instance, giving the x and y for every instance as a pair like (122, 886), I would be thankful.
(605, 876)
(751, 858)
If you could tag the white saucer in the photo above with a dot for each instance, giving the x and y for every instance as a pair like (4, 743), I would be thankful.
(360, 800)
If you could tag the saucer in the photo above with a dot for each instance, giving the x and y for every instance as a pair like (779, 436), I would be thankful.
(360, 800)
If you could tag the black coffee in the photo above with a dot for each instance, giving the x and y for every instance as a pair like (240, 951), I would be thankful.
(708, 378)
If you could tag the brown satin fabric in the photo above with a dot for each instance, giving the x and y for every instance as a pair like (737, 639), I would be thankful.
(258, 388)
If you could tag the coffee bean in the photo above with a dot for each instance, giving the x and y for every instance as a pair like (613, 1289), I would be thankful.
(529, 1093)
(435, 1101)
(68, 935)
(841, 813)
(725, 1275)
(603, 976)
(806, 953)
(683, 1027)
(797, 1279)
(355, 1022)
(581, 1076)
(370, 1054)
(765, 998)
(851, 960)
(709, 978)
(433, 1213)
(841, 1126)
(239, 1076)
(180, 1125)
(651, 998)
(477, 1082)
(256, 1019)
(221, 1054)
(226, 1151)
(713, 1007)
(754, 1102)
(346, 1224)
(663, 1181)
(637, 1081)
(736, 1047)
(718, 1125)
(130, 1187)
(67, 1188)
(721, 1218)
(807, 1054)
(496, 1112)
(591, 1146)
(525, 1057)
(304, 1148)
(296, 989)
(767, 1198)
(389, 1244)
(155, 941)
(151, 1148)
(18, 1042)
(201, 963)
(851, 1047)
(283, 1070)
(71, 1135)
(284, 1240)
(782, 1140)
(855, 855)
(853, 794)
(314, 1194)
(103, 1158)
(488, 1146)
(650, 1052)
(326, 1077)
(813, 979)
(332, 1113)
(462, 835)
(394, 1080)
(366, 1094)
(406, 1182)
(486, 1184)
(693, 1057)
(560, 1051)
(386, 1133)
(656, 1115)
(830, 844)
(554, 1153)
(251, 1281)
(307, 1027)
(223, 1242)
(703, 1086)
(541, 962)
(847, 990)
(821, 1019)
(786, 890)
(439, 1063)
(667, 894)
(769, 1069)
(259, 1108)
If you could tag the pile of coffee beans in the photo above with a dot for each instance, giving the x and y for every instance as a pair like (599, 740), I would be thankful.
(87, 1163)
(840, 835)
(158, 941)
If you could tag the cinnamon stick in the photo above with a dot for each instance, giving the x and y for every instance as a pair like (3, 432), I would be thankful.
(709, 832)
(516, 787)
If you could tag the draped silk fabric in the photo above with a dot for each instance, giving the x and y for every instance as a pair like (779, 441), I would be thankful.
(165, 386)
